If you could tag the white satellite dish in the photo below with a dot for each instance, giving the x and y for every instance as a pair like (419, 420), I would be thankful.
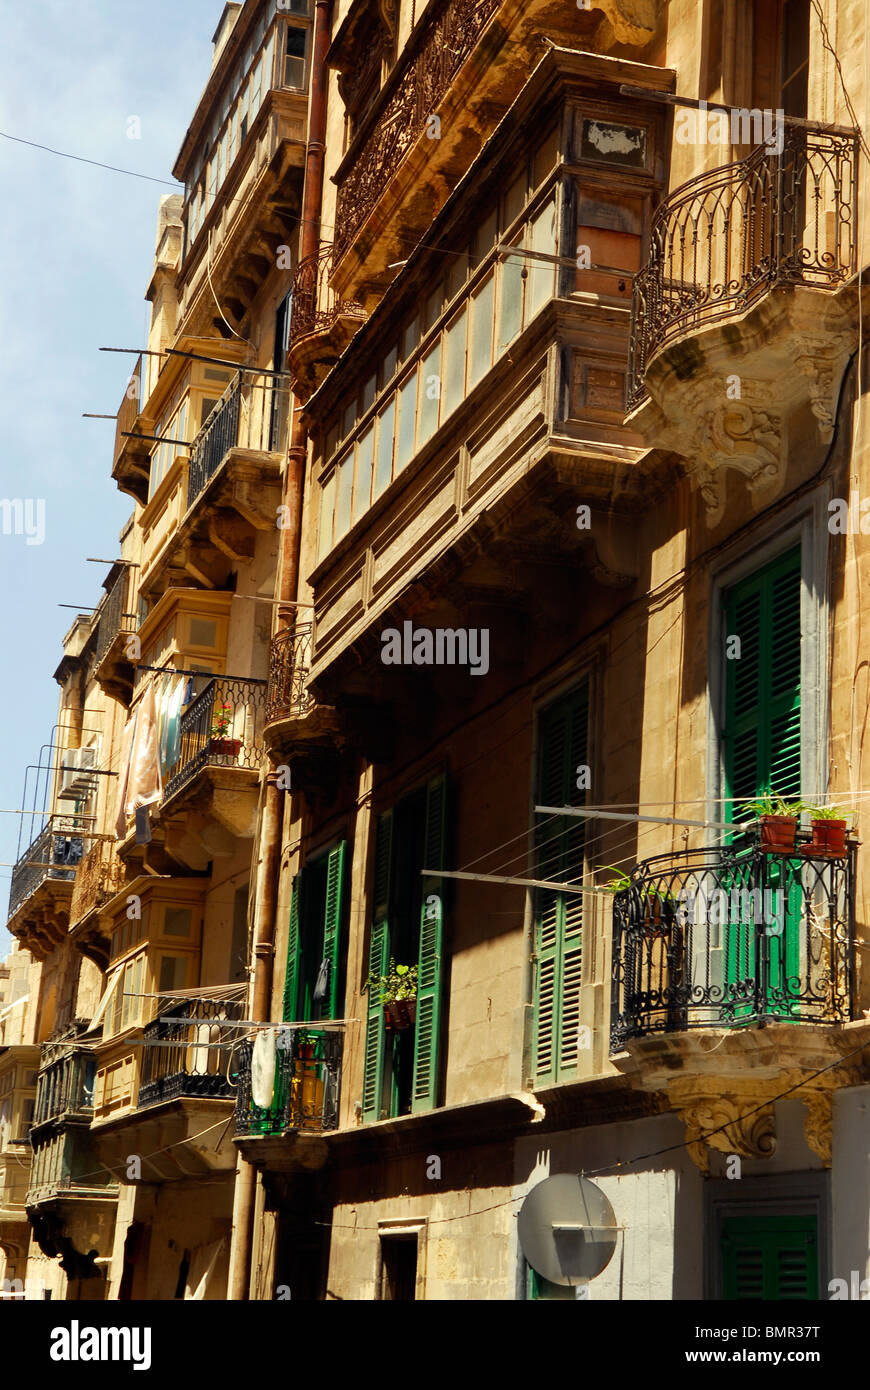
(567, 1229)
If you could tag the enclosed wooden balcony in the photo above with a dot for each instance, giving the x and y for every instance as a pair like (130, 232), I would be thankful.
(743, 318)
(131, 461)
(456, 76)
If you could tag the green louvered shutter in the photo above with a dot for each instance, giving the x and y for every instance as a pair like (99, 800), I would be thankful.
(563, 734)
(379, 959)
(332, 918)
(427, 1028)
(291, 979)
(762, 745)
(770, 1257)
(762, 733)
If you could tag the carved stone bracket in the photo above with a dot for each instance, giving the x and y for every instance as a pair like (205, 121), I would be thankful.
(751, 1135)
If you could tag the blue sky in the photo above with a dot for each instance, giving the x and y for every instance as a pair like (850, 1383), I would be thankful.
(76, 249)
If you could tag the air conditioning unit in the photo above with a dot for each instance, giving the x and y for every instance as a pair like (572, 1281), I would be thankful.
(76, 779)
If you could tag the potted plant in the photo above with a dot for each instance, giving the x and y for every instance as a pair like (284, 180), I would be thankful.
(219, 742)
(398, 990)
(778, 818)
(618, 883)
(829, 832)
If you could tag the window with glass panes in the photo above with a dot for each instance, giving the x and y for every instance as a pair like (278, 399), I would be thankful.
(274, 55)
(483, 300)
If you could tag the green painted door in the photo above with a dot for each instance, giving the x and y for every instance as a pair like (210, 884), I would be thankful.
(770, 1257)
(762, 747)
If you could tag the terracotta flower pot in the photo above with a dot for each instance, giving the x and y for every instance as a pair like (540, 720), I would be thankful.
(778, 833)
(228, 747)
(400, 1014)
(829, 838)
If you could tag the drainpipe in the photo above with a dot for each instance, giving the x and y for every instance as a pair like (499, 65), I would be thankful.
(286, 590)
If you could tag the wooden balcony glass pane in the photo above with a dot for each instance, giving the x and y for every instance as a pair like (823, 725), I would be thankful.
(454, 363)
(384, 468)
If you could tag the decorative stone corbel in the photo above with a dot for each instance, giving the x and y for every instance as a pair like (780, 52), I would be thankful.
(735, 435)
(750, 1136)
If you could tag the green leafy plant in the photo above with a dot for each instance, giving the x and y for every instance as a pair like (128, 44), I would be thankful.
(400, 982)
(619, 883)
(771, 804)
(828, 812)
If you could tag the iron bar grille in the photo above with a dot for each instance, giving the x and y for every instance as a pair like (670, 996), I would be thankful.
(289, 664)
(252, 413)
(700, 941)
(195, 1052)
(128, 411)
(310, 289)
(65, 1084)
(416, 85)
(114, 619)
(54, 854)
(222, 726)
(725, 238)
(307, 1085)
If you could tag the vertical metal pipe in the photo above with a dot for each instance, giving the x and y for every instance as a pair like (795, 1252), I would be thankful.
(286, 590)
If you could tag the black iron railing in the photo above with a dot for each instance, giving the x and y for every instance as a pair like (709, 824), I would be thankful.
(114, 619)
(219, 434)
(725, 238)
(252, 413)
(289, 664)
(315, 305)
(306, 1087)
(54, 854)
(727, 936)
(65, 1084)
(428, 64)
(188, 1052)
(222, 726)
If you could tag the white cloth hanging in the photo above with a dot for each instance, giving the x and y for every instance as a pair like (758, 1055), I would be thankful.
(263, 1056)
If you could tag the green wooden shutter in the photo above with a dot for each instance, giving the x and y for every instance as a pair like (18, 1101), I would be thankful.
(332, 916)
(762, 745)
(762, 733)
(427, 1028)
(291, 979)
(379, 959)
(770, 1257)
(563, 733)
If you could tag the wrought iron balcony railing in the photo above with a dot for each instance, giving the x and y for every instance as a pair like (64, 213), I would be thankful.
(306, 1087)
(188, 1052)
(114, 619)
(252, 413)
(289, 664)
(100, 875)
(55, 853)
(315, 305)
(414, 88)
(222, 726)
(728, 936)
(727, 237)
(65, 1084)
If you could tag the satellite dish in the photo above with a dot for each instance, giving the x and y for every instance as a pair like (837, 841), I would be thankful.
(567, 1229)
